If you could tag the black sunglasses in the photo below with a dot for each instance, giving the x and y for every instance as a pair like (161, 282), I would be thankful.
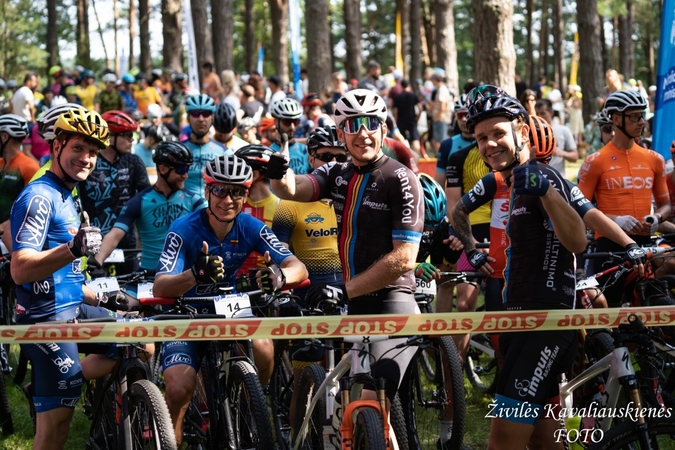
(235, 193)
(328, 157)
(607, 129)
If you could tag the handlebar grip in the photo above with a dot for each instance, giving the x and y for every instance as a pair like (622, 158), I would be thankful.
(636, 323)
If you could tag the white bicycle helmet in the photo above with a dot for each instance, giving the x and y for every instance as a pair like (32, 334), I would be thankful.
(46, 123)
(602, 119)
(14, 125)
(621, 101)
(461, 103)
(359, 102)
(228, 169)
(109, 78)
(286, 108)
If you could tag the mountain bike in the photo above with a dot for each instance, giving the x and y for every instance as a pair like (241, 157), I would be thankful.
(6, 318)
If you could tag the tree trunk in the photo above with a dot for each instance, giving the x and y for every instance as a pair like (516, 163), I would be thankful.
(83, 58)
(446, 51)
(222, 27)
(52, 34)
(626, 50)
(590, 55)
(279, 13)
(606, 53)
(429, 27)
(132, 33)
(403, 7)
(649, 56)
(560, 74)
(249, 36)
(415, 40)
(531, 75)
(144, 28)
(200, 19)
(615, 39)
(496, 62)
(542, 63)
(319, 53)
(352, 15)
(172, 30)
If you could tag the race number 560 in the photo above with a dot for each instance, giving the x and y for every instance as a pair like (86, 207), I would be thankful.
(585, 436)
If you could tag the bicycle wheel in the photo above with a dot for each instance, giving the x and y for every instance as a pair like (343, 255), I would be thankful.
(426, 402)
(100, 404)
(214, 398)
(250, 418)
(5, 412)
(481, 365)
(627, 435)
(151, 426)
(280, 393)
(369, 431)
(310, 380)
(155, 365)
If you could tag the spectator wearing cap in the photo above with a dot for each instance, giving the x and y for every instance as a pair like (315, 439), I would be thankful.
(210, 81)
(353, 84)
(87, 90)
(109, 99)
(146, 95)
(23, 99)
(247, 130)
(251, 106)
(267, 130)
(313, 116)
(274, 83)
(125, 87)
(373, 79)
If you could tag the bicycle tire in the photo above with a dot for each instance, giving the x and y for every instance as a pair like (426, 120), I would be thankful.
(280, 393)
(21, 368)
(149, 417)
(103, 430)
(369, 431)
(310, 380)
(215, 400)
(481, 369)
(398, 423)
(424, 403)
(250, 418)
(6, 421)
(625, 435)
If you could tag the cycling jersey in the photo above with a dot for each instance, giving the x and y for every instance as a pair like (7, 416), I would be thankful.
(202, 154)
(374, 205)
(263, 211)
(13, 177)
(448, 147)
(44, 217)
(109, 187)
(398, 151)
(153, 213)
(465, 169)
(298, 153)
(623, 181)
(184, 242)
(234, 144)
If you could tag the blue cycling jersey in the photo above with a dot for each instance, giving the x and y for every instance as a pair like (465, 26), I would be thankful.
(299, 160)
(202, 154)
(153, 213)
(44, 217)
(450, 146)
(183, 244)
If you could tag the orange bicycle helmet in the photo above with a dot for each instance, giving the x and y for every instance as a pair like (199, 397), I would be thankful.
(82, 122)
(265, 123)
(542, 139)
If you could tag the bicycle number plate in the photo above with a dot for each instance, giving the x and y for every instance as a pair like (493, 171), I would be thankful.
(104, 284)
(144, 290)
(425, 287)
(233, 305)
(117, 256)
(587, 283)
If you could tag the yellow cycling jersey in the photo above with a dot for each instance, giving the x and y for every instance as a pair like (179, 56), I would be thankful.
(310, 230)
(263, 211)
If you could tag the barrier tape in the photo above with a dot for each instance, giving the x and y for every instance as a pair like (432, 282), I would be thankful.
(333, 326)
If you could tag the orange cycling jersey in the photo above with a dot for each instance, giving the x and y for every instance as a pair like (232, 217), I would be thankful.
(623, 181)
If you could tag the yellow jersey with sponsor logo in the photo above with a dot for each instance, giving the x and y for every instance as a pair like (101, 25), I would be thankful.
(263, 211)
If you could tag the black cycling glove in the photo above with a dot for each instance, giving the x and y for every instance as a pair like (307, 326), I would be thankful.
(477, 259)
(271, 279)
(114, 301)
(277, 166)
(208, 269)
(635, 254)
(326, 294)
(95, 269)
(87, 241)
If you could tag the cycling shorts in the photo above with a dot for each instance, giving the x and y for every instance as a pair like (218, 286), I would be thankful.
(481, 233)
(532, 362)
(390, 363)
(493, 294)
(56, 375)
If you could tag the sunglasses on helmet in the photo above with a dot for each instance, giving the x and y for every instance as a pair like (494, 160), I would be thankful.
(354, 124)
(235, 193)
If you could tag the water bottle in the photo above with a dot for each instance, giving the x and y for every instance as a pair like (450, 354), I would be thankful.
(573, 425)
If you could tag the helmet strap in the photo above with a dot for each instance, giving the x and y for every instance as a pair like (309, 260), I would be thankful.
(622, 127)
(66, 178)
(215, 216)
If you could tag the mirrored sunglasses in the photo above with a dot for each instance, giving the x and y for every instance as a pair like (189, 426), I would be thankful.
(235, 193)
(354, 124)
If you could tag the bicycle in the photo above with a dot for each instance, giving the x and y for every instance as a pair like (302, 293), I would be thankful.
(6, 318)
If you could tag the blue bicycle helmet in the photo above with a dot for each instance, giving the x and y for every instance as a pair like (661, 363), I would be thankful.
(435, 201)
(200, 102)
(128, 78)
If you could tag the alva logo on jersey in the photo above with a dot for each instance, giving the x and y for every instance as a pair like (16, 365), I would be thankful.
(169, 256)
(33, 230)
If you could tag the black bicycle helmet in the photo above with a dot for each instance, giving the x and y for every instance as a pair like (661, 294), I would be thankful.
(487, 101)
(225, 118)
(323, 137)
(257, 156)
(172, 154)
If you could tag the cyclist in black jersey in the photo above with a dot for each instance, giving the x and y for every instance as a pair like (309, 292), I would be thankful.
(379, 209)
(543, 232)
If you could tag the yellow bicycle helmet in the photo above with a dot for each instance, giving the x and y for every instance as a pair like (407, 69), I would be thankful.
(88, 124)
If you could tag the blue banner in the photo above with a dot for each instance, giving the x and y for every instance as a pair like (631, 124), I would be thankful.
(294, 17)
(261, 58)
(664, 132)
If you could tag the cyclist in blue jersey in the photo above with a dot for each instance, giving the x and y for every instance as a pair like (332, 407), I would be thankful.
(199, 109)
(118, 176)
(48, 242)
(286, 113)
(464, 140)
(380, 216)
(154, 209)
(202, 253)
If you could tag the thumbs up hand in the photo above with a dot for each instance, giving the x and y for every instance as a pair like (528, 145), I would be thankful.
(272, 278)
(279, 162)
(208, 268)
(87, 241)
(528, 180)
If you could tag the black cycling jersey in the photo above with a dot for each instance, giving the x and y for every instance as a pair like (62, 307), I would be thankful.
(432, 246)
(108, 188)
(375, 205)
